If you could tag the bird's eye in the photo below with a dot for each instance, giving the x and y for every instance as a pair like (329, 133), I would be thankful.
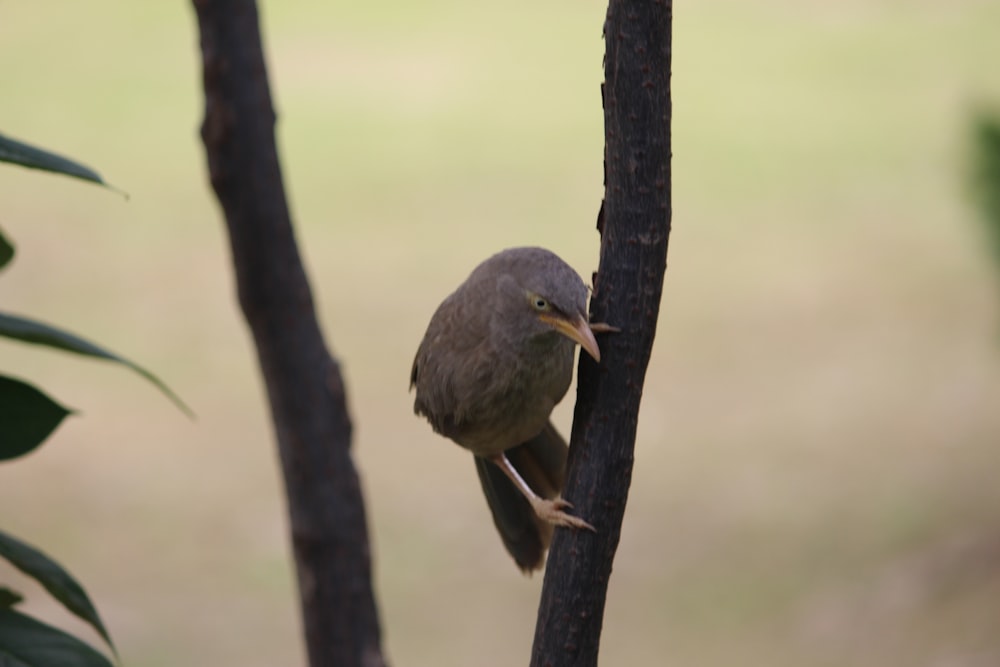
(539, 303)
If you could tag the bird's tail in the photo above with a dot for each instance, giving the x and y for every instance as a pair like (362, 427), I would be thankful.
(541, 461)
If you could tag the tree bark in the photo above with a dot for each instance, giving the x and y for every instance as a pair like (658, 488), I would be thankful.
(634, 223)
(304, 385)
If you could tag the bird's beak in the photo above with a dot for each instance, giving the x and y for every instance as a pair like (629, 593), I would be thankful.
(577, 330)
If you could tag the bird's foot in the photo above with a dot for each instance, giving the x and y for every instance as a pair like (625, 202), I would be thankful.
(603, 327)
(552, 512)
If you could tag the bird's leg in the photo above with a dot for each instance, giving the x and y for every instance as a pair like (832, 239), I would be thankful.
(550, 511)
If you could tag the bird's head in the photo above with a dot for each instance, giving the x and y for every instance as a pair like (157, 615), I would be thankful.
(542, 293)
(572, 324)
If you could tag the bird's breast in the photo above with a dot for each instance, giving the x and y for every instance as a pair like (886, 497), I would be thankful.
(495, 401)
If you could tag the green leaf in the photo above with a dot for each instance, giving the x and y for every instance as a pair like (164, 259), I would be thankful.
(31, 331)
(986, 175)
(16, 152)
(25, 642)
(27, 417)
(54, 578)
(9, 598)
(6, 250)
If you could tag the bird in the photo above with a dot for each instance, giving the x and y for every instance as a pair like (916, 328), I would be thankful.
(496, 358)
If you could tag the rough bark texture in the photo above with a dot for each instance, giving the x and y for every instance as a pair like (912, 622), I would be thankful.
(635, 225)
(304, 386)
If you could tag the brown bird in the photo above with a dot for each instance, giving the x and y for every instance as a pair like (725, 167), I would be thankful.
(496, 358)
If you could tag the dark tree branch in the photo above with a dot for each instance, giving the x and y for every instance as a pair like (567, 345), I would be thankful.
(635, 225)
(304, 386)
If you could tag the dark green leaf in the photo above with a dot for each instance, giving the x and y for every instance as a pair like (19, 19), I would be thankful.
(31, 331)
(27, 417)
(6, 250)
(20, 153)
(986, 176)
(9, 598)
(54, 578)
(25, 642)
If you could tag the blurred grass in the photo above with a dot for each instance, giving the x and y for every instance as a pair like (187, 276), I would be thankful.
(815, 478)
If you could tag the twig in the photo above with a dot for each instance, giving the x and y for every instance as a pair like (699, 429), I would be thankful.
(635, 225)
(304, 385)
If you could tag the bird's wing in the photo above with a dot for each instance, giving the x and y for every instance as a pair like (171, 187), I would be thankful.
(457, 331)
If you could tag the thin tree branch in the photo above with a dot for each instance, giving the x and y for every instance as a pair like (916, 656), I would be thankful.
(635, 226)
(304, 385)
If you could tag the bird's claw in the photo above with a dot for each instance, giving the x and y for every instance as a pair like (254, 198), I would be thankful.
(603, 327)
(552, 512)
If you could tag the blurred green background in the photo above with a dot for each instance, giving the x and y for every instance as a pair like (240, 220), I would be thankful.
(816, 477)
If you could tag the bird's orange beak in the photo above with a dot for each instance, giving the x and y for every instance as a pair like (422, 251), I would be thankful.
(577, 330)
